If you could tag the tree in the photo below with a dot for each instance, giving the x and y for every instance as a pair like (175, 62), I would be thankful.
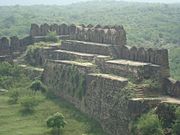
(149, 124)
(56, 121)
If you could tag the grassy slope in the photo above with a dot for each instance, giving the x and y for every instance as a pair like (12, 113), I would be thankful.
(12, 122)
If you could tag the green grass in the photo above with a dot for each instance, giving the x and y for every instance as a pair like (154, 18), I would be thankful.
(13, 122)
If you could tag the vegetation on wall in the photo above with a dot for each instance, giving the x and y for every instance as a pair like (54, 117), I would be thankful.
(69, 79)
(51, 37)
(32, 55)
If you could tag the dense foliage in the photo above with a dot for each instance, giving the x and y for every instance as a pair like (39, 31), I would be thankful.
(148, 124)
(9, 74)
(176, 126)
(149, 25)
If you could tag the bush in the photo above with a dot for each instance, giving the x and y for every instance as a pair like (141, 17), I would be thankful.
(166, 114)
(32, 54)
(52, 37)
(9, 74)
(14, 96)
(152, 84)
(176, 126)
(28, 104)
(56, 121)
(37, 85)
(148, 124)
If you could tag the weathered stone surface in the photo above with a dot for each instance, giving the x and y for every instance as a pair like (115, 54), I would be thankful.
(172, 87)
(7, 58)
(15, 43)
(69, 55)
(72, 29)
(35, 30)
(107, 27)
(4, 43)
(98, 26)
(115, 35)
(4, 46)
(86, 47)
(125, 52)
(90, 26)
(141, 54)
(133, 53)
(100, 100)
(55, 28)
(45, 29)
(135, 70)
(151, 55)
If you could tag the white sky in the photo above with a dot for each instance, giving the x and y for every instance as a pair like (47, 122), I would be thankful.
(62, 2)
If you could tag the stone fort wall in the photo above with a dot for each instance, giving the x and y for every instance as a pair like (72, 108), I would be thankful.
(113, 35)
(107, 34)
(98, 94)
(13, 44)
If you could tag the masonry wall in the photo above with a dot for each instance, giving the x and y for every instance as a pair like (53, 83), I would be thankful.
(100, 34)
(13, 44)
(172, 87)
(102, 97)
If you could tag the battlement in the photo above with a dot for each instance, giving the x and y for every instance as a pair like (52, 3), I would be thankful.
(13, 44)
(115, 35)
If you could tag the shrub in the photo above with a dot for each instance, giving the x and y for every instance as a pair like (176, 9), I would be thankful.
(31, 54)
(9, 74)
(14, 96)
(166, 114)
(148, 124)
(52, 37)
(56, 121)
(28, 104)
(37, 85)
(152, 84)
(176, 126)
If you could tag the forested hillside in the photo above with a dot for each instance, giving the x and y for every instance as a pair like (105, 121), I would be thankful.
(156, 25)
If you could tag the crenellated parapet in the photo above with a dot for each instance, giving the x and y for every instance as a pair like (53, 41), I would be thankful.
(115, 35)
(13, 44)
(155, 56)
(4, 46)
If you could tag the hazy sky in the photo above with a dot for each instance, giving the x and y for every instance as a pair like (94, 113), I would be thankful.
(63, 2)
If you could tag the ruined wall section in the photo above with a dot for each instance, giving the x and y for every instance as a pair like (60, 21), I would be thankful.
(13, 44)
(101, 96)
(172, 87)
(115, 35)
(154, 56)
(106, 101)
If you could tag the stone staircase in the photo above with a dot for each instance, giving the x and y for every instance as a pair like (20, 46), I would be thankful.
(139, 92)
